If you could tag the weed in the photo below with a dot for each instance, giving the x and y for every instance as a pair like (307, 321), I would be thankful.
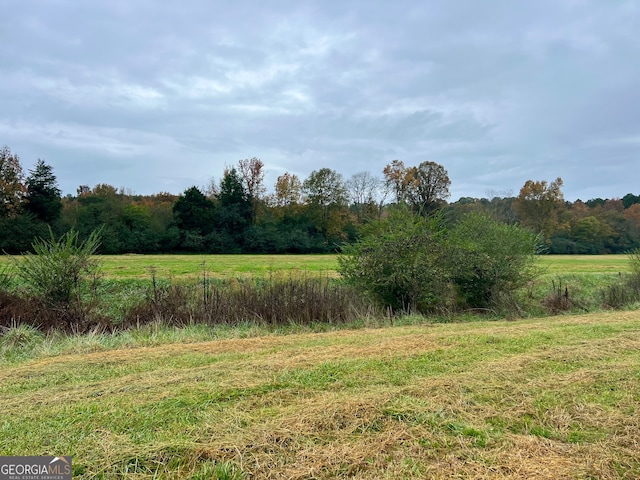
(6, 277)
(57, 268)
(19, 338)
(270, 301)
(558, 300)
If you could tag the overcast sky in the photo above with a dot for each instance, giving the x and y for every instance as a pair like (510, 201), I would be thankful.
(158, 96)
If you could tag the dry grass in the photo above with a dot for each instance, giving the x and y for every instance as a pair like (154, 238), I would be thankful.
(536, 399)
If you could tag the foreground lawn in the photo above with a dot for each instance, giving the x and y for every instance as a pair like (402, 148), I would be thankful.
(544, 398)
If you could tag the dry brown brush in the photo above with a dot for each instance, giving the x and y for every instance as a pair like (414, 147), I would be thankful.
(272, 301)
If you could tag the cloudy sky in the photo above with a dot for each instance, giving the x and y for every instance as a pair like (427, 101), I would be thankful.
(158, 96)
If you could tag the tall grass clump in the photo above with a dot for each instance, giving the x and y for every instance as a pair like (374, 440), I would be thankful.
(6, 277)
(58, 281)
(18, 340)
(56, 269)
(634, 266)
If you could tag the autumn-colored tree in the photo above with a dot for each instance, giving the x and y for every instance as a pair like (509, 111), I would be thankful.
(12, 187)
(395, 174)
(104, 190)
(251, 172)
(579, 210)
(424, 188)
(632, 214)
(429, 183)
(538, 205)
(288, 190)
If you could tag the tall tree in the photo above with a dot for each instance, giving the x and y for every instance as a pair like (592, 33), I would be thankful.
(43, 195)
(424, 188)
(428, 186)
(538, 205)
(326, 198)
(251, 172)
(235, 213)
(12, 188)
(288, 190)
(364, 192)
(325, 187)
(395, 174)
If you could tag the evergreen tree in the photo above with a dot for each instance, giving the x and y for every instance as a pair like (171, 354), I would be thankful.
(43, 195)
(193, 212)
(235, 204)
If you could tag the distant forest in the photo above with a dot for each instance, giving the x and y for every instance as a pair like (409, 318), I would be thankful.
(314, 215)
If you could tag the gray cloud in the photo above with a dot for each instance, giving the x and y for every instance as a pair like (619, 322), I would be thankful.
(156, 96)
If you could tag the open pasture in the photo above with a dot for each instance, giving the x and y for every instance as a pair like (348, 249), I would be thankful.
(225, 266)
(542, 398)
(133, 266)
(576, 264)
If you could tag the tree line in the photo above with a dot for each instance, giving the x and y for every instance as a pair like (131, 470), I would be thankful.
(314, 215)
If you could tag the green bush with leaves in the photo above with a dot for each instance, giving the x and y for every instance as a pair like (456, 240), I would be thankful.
(409, 262)
(488, 258)
(56, 269)
(399, 262)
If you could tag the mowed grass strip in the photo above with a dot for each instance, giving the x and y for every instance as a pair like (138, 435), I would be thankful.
(544, 398)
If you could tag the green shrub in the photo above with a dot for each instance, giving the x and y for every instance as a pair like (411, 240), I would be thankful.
(399, 262)
(408, 262)
(56, 269)
(488, 258)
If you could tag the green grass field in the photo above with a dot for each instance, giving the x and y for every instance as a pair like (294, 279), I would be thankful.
(544, 398)
(136, 266)
(585, 263)
(180, 266)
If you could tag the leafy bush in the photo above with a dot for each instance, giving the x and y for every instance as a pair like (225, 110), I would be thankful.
(408, 262)
(488, 258)
(399, 262)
